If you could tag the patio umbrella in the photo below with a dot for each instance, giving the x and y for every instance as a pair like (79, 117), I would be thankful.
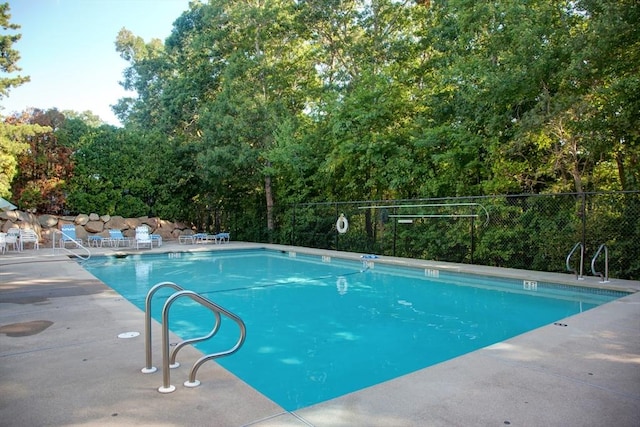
(6, 205)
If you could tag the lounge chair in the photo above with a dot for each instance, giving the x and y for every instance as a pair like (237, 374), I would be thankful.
(143, 237)
(96, 241)
(156, 239)
(187, 238)
(116, 237)
(29, 236)
(69, 235)
(223, 237)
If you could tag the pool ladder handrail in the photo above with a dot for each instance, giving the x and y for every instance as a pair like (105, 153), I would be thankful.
(168, 359)
(149, 368)
(604, 278)
(69, 251)
(575, 271)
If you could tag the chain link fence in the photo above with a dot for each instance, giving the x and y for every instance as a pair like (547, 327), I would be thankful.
(533, 232)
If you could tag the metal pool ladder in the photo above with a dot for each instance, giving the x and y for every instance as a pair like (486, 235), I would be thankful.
(169, 359)
(604, 278)
(578, 274)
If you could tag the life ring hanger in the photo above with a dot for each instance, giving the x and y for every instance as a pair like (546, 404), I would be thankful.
(342, 224)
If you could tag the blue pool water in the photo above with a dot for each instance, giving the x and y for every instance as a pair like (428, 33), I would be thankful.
(320, 327)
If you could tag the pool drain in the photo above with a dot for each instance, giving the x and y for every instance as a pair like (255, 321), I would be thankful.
(128, 334)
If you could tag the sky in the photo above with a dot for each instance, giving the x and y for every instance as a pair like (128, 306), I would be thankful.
(68, 50)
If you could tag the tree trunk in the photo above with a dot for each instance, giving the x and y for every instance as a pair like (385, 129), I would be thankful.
(621, 173)
(268, 192)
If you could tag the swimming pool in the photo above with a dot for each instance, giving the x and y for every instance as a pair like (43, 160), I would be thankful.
(320, 327)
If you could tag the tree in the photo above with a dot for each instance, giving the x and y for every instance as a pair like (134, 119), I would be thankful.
(45, 167)
(13, 135)
(145, 76)
(9, 57)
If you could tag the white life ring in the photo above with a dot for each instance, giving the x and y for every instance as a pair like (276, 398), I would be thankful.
(342, 225)
(342, 285)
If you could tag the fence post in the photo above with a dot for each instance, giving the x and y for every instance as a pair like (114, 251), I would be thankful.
(293, 226)
(583, 213)
(395, 229)
(337, 234)
(473, 240)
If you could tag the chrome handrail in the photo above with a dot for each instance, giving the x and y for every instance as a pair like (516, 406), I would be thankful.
(603, 278)
(166, 376)
(149, 368)
(70, 239)
(581, 246)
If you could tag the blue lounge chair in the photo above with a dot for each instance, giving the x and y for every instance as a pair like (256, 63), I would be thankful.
(69, 236)
(156, 239)
(116, 237)
(223, 237)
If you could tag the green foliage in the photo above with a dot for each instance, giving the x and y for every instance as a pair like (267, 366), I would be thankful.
(9, 57)
(13, 133)
(45, 166)
(15, 136)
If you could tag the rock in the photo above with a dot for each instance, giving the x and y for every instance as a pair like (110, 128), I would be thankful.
(132, 223)
(151, 222)
(7, 225)
(48, 221)
(94, 226)
(116, 223)
(81, 219)
(94, 217)
(181, 226)
(81, 233)
(47, 235)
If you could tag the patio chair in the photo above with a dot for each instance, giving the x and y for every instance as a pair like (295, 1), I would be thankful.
(116, 237)
(13, 238)
(3, 242)
(69, 235)
(29, 236)
(143, 237)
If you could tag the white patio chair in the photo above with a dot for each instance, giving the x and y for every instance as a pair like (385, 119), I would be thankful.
(143, 237)
(29, 236)
(13, 238)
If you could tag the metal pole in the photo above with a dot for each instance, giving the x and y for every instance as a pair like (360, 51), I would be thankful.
(149, 368)
(395, 231)
(473, 242)
(293, 226)
(583, 212)
(337, 234)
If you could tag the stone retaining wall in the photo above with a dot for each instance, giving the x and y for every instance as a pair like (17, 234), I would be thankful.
(90, 225)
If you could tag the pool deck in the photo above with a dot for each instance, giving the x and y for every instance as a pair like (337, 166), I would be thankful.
(63, 364)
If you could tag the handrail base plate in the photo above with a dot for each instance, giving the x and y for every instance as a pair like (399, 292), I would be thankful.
(169, 389)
